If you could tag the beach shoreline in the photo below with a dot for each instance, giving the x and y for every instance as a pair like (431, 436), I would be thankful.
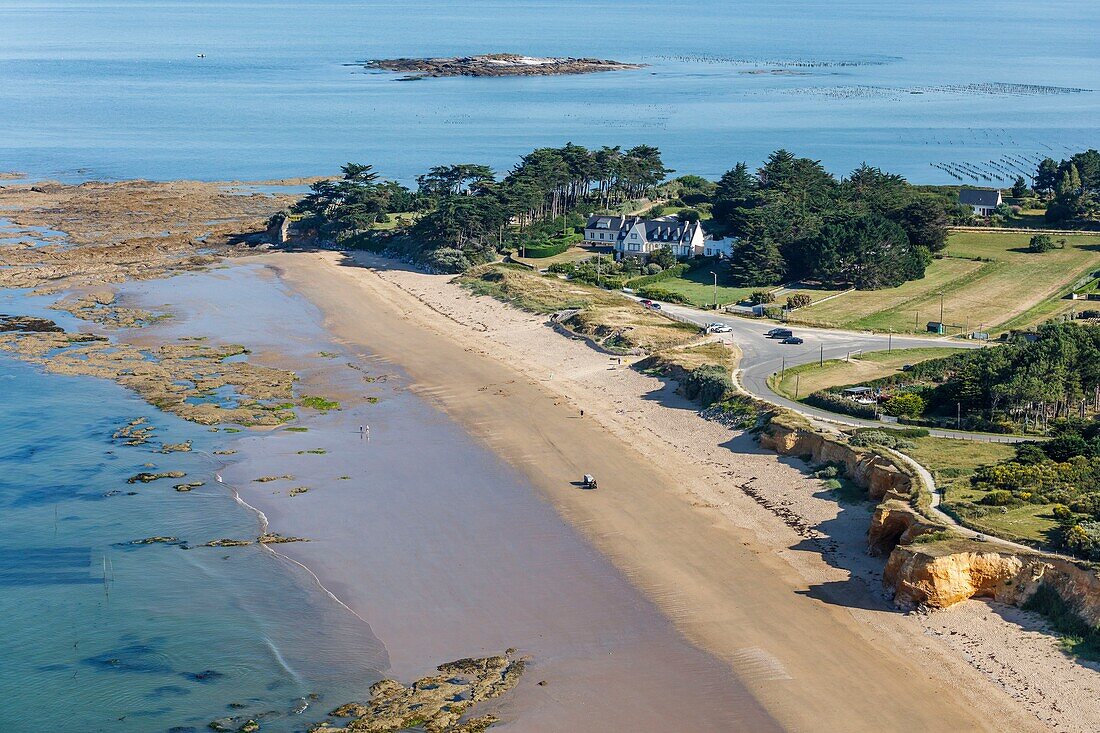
(729, 593)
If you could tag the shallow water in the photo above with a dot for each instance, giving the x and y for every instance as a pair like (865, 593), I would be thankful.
(115, 89)
(114, 637)
(441, 546)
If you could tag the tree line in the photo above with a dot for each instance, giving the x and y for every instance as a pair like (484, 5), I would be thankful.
(796, 221)
(466, 213)
(1071, 187)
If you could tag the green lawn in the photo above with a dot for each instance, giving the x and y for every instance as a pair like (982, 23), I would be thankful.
(809, 378)
(987, 279)
(698, 287)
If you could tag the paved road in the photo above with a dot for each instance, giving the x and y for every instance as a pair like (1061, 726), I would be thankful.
(762, 357)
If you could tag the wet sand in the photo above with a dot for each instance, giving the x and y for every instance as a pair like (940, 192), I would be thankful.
(440, 546)
(810, 661)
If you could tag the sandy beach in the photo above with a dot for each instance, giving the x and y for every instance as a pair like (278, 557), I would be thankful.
(734, 579)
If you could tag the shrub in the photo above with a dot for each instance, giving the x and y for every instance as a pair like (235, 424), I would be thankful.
(836, 403)
(1041, 243)
(799, 300)
(653, 268)
(689, 215)
(998, 497)
(759, 297)
(1083, 539)
(708, 384)
(882, 438)
(546, 249)
(906, 403)
(1061, 512)
(655, 293)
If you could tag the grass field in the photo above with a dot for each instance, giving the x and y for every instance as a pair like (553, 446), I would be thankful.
(952, 462)
(988, 280)
(805, 379)
(698, 287)
(573, 254)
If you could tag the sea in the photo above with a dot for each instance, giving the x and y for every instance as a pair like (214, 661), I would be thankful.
(939, 91)
(113, 636)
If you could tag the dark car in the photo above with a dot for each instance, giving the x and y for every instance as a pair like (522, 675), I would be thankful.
(655, 306)
(646, 302)
(792, 340)
(780, 333)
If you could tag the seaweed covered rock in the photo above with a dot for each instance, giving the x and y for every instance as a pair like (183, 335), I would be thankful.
(436, 703)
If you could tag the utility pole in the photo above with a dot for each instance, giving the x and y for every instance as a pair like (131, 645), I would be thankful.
(958, 416)
(796, 377)
(890, 342)
(941, 308)
(821, 356)
(715, 290)
(783, 369)
(916, 320)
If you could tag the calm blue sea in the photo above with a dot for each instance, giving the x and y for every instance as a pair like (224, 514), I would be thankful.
(115, 88)
(109, 636)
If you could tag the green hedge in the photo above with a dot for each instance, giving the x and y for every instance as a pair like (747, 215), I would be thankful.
(654, 293)
(836, 403)
(674, 271)
(544, 250)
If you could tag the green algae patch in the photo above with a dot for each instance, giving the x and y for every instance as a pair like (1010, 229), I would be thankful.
(316, 402)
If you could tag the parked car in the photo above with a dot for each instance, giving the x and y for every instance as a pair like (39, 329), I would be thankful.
(646, 302)
(792, 340)
(772, 332)
(780, 333)
(655, 306)
(718, 328)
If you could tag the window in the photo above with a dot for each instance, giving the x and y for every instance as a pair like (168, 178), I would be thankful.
(601, 235)
(634, 235)
(635, 247)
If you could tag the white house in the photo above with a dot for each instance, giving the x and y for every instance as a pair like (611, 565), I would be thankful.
(721, 248)
(632, 236)
(981, 200)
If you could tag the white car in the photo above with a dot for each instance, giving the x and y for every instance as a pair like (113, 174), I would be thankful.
(719, 328)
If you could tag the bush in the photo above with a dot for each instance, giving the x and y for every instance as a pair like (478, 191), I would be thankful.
(1083, 539)
(762, 296)
(689, 215)
(667, 274)
(654, 269)
(998, 497)
(1041, 243)
(546, 249)
(800, 300)
(708, 384)
(655, 293)
(906, 403)
(880, 438)
(836, 403)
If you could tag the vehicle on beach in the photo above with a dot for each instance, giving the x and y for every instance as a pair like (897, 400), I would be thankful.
(792, 340)
(589, 481)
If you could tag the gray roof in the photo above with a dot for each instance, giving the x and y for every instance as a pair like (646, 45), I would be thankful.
(979, 197)
(665, 229)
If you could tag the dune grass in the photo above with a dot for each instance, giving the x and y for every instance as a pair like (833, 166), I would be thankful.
(809, 378)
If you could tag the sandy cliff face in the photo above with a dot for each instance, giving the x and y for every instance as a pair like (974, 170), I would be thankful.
(940, 573)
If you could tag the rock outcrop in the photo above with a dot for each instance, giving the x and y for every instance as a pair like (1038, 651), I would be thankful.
(497, 64)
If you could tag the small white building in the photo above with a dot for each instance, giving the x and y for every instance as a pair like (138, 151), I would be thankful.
(720, 248)
(632, 236)
(982, 201)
